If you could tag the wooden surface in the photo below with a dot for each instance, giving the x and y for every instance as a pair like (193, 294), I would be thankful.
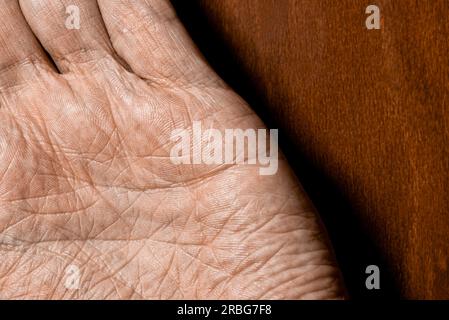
(364, 120)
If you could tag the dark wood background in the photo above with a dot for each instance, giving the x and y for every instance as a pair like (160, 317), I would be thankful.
(363, 117)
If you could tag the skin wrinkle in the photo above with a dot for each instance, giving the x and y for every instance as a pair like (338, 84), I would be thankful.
(148, 21)
(86, 178)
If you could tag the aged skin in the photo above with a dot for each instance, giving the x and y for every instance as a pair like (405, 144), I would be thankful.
(86, 180)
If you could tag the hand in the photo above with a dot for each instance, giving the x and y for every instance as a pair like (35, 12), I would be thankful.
(92, 205)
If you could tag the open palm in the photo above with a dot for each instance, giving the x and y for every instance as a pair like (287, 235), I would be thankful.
(87, 186)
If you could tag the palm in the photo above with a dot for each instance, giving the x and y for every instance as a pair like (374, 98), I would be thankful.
(86, 179)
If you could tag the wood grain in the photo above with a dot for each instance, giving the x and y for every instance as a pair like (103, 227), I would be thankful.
(363, 118)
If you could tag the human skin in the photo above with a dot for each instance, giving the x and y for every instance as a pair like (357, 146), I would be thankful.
(86, 180)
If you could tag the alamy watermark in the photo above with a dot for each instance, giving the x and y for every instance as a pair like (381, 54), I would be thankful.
(372, 282)
(72, 280)
(373, 21)
(73, 21)
(234, 146)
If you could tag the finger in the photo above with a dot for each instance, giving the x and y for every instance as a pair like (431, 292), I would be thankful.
(20, 53)
(149, 37)
(72, 31)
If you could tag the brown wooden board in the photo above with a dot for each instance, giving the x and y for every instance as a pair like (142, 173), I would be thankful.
(364, 119)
